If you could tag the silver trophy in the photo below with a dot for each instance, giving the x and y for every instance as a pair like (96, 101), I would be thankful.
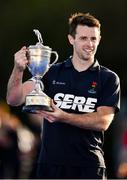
(39, 57)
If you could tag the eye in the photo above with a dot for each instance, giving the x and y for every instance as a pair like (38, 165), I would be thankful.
(93, 38)
(83, 38)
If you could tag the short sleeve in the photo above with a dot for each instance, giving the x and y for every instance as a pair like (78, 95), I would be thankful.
(110, 91)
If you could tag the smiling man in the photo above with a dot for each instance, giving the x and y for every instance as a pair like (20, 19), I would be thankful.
(85, 96)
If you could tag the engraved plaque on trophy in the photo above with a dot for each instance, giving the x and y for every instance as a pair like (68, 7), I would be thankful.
(39, 57)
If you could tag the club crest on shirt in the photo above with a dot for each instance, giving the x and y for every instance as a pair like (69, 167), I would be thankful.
(92, 89)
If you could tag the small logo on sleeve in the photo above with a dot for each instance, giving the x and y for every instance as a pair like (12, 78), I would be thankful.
(58, 83)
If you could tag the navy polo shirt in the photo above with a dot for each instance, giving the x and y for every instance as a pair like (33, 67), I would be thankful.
(77, 92)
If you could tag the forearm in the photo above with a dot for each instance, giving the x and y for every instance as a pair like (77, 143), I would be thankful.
(98, 121)
(85, 121)
(14, 87)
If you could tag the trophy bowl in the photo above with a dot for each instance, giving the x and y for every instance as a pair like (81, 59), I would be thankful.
(39, 57)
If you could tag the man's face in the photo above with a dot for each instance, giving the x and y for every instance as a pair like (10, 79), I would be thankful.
(85, 42)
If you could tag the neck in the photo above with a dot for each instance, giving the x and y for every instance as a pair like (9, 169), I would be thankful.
(81, 65)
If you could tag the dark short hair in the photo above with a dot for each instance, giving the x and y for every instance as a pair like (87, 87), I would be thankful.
(82, 19)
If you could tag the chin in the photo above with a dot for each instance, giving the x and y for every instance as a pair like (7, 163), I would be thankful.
(85, 59)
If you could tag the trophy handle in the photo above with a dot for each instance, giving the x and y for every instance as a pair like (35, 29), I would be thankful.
(54, 52)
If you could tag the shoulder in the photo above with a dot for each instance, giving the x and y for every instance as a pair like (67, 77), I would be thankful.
(108, 74)
(58, 66)
(54, 70)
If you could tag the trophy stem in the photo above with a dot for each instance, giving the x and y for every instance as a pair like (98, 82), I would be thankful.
(38, 86)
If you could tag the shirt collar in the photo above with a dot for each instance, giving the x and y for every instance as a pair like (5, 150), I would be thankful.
(68, 62)
(93, 67)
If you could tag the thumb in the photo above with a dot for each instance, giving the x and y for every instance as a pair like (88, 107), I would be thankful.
(53, 105)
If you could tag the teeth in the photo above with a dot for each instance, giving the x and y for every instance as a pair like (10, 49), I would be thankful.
(88, 50)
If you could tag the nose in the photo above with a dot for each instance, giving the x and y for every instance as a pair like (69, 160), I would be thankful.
(89, 42)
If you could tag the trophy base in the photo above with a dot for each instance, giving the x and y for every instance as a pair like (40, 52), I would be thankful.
(37, 100)
(34, 108)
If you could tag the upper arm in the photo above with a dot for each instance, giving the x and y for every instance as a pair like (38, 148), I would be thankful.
(110, 91)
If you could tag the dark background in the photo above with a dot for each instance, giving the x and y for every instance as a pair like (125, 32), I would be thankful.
(50, 17)
(19, 18)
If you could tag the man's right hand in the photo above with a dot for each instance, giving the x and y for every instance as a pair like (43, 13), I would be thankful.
(20, 59)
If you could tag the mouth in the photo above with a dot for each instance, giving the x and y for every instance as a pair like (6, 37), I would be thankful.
(88, 51)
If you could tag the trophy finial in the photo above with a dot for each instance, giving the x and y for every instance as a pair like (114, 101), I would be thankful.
(38, 34)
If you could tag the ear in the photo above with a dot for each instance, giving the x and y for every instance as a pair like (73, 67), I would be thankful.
(99, 39)
(71, 39)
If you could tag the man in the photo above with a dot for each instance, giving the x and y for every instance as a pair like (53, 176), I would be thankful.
(85, 96)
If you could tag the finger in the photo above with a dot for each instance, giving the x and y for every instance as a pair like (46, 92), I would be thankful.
(53, 105)
(24, 48)
(51, 120)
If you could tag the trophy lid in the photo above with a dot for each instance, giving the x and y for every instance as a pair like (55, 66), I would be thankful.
(39, 45)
